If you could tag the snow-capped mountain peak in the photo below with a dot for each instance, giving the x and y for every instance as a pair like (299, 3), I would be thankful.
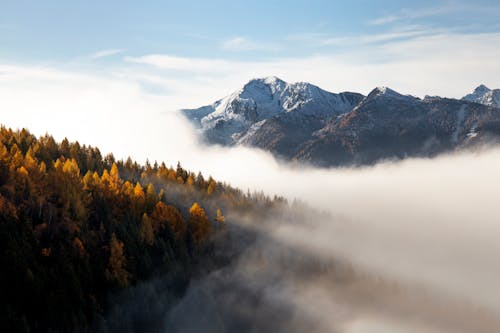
(264, 98)
(300, 121)
(481, 89)
(386, 92)
(261, 85)
(484, 95)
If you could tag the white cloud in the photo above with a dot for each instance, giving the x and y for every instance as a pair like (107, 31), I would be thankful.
(402, 33)
(181, 63)
(105, 53)
(449, 8)
(443, 64)
(421, 221)
(245, 44)
(448, 65)
(94, 109)
(407, 14)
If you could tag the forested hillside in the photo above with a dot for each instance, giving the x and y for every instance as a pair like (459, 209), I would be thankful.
(77, 227)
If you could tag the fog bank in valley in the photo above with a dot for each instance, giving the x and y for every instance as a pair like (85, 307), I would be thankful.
(407, 246)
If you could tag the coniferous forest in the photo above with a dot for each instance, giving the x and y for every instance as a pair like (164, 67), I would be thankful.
(77, 228)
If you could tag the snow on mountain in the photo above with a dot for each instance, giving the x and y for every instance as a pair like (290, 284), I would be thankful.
(231, 117)
(301, 122)
(388, 93)
(484, 95)
(388, 125)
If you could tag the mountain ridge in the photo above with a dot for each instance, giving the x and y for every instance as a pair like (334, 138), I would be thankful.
(229, 118)
(302, 122)
(484, 95)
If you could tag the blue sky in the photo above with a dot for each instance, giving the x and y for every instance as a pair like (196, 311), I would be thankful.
(52, 31)
(102, 72)
(65, 60)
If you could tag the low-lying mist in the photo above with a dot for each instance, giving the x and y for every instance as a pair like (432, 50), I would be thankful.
(408, 245)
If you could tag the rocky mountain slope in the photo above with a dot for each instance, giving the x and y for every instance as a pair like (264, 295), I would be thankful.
(484, 95)
(234, 118)
(302, 122)
(383, 126)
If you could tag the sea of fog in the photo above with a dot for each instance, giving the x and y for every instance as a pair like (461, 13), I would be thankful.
(408, 246)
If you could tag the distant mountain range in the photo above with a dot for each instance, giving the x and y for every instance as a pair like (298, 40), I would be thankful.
(484, 95)
(300, 121)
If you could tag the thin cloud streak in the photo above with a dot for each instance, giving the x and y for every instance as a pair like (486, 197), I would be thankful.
(403, 33)
(238, 44)
(106, 53)
(421, 65)
(448, 8)
(408, 14)
(164, 61)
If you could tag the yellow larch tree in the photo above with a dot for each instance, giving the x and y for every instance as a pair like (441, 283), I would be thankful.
(116, 271)
(199, 224)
